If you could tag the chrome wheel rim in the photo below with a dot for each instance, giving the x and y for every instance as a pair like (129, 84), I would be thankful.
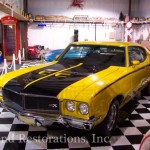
(112, 117)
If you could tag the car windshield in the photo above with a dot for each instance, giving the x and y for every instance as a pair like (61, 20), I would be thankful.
(94, 55)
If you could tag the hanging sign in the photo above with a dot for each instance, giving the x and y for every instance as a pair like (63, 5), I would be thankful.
(8, 20)
(129, 25)
(80, 18)
(128, 31)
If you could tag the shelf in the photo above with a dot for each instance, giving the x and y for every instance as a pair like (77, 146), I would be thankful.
(83, 19)
(18, 14)
(90, 22)
(75, 19)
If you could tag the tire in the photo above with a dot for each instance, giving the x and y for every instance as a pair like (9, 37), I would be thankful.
(138, 96)
(146, 90)
(108, 125)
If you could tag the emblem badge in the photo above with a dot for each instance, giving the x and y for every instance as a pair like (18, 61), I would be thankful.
(53, 105)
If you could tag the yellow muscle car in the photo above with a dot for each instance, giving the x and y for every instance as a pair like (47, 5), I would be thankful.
(84, 91)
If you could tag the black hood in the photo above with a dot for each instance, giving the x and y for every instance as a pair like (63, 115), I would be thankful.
(50, 80)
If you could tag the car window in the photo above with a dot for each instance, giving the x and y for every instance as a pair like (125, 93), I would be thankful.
(136, 53)
(77, 52)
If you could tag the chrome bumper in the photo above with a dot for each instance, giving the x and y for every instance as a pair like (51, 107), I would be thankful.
(40, 120)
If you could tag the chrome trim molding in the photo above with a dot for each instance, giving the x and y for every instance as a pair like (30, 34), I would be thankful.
(50, 120)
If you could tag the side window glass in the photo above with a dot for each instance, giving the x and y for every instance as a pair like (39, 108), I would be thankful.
(143, 53)
(136, 53)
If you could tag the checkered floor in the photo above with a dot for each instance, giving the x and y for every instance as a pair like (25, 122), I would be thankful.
(31, 63)
(15, 135)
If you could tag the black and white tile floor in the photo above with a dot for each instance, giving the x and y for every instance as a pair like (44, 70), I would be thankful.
(32, 63)
(15, 135)
(24, 64)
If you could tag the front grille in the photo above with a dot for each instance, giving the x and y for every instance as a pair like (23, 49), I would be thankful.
(9, 95)
(32, 102)
(42, 103)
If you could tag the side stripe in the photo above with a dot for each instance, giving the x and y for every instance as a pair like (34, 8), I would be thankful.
(121, 78)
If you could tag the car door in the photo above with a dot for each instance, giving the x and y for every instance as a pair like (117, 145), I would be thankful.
(139, 72)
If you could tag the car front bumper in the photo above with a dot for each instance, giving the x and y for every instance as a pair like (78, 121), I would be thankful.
(41, 120)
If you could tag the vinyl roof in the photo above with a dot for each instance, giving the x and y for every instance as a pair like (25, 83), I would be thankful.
(116, 43)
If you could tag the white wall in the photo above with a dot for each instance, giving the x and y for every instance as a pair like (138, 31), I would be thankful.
(101, 8)
(2, 14)
(144, 9)
(60, 35)
(141, 8)
(17, 4)
(135, 9)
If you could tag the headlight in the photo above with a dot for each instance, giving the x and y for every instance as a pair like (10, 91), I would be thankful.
(70, 105)
(84, 109)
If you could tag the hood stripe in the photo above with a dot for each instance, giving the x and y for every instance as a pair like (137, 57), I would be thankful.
(52, 75)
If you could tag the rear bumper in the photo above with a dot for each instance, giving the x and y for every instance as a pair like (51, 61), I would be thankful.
(41, 120)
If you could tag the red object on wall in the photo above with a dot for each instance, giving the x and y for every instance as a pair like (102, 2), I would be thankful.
(11, 38)
(77, 3)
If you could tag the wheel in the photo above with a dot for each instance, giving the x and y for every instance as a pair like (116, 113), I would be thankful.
(109, 123)
(146, 90)
(29, 55)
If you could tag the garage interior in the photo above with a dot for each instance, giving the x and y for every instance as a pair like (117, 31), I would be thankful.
(51, 25)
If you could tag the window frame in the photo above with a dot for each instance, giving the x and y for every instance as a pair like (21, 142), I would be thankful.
(139, 49)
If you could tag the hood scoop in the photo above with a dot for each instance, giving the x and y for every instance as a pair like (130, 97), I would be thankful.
(62, 75)
(47, 71)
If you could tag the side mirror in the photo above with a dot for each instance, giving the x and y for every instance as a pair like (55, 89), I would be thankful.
(135, 62)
